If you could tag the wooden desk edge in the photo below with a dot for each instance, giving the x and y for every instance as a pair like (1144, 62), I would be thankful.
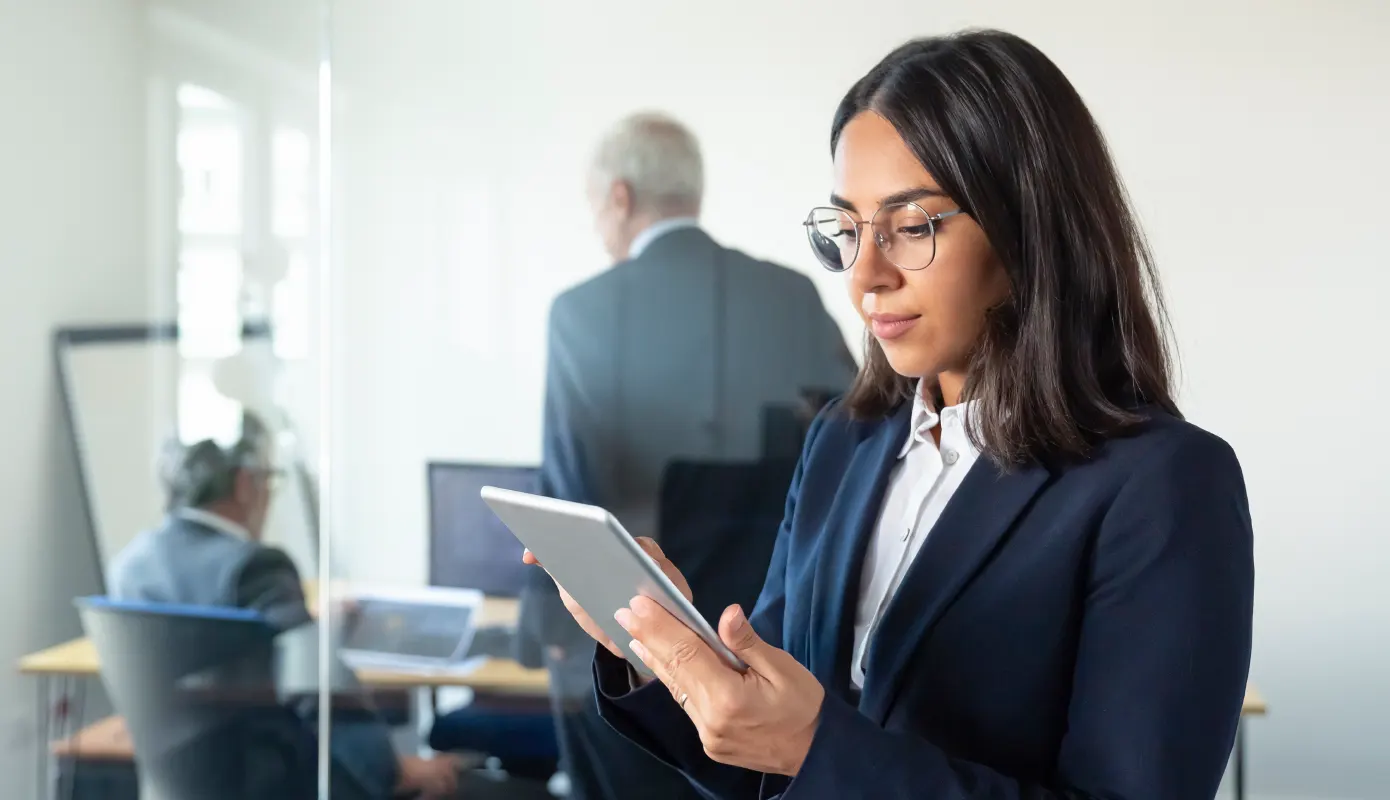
(77, 657)
(1254, 705)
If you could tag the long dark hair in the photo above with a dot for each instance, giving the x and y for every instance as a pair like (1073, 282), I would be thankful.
(1080, 345)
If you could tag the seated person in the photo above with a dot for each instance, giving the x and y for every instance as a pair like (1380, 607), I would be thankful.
(208, 552)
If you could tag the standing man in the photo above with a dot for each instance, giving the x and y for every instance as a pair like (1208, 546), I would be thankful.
(677, 352)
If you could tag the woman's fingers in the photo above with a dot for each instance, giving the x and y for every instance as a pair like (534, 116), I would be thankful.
(654, 551)
(676, 654)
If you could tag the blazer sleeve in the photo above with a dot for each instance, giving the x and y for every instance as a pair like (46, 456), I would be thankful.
(650, 717)
(269, 583)
(1160, 674)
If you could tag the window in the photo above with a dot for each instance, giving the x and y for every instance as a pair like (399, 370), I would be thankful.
(212, 174)
(243, 255)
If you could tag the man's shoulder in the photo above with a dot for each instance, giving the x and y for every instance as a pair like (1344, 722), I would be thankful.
(179, 561)
(770, 273)
(588, 293)
(265, 559)
(131, 563)
(751, 275)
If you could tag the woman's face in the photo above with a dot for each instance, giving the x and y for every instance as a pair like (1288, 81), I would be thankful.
(927, 320)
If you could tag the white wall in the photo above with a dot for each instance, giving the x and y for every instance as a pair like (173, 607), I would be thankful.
(72, 111)
(1252, 135)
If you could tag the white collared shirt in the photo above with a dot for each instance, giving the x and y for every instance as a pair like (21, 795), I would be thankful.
(215, 521)
(657, 230)
(922, 482)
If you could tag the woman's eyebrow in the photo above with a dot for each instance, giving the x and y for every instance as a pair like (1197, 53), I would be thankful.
(904, 196)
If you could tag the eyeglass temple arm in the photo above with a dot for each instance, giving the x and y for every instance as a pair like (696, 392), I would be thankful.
(808, 222)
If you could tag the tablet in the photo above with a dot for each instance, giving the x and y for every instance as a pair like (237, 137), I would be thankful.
(587, 551)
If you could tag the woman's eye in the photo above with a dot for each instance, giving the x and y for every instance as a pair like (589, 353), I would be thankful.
(847, 233)
(916, 231)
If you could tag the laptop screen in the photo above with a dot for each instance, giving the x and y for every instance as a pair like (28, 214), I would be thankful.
(470, 548)
(408, 630)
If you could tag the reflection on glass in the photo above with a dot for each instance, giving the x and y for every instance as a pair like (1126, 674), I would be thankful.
(210, 162)
(290, 175)
(288, 300)
(209, 282)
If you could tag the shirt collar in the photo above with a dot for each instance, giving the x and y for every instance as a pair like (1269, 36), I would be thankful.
(656, 230)
(215, 521)
(924, 419)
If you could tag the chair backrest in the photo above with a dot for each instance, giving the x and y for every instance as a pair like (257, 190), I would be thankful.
(718, 522)
(168, 669)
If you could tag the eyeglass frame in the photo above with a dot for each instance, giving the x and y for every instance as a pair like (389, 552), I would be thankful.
(932, 220)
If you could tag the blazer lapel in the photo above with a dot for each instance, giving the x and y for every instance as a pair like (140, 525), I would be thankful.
(848, 528)
(977, 517)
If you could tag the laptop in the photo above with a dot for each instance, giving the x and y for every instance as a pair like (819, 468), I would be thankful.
(424, 629)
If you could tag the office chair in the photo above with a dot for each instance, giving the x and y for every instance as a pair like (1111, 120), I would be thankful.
(162, 666)
(718, 522)
(516, 731)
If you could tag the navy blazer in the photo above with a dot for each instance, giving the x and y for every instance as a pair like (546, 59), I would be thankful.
(1080, 631)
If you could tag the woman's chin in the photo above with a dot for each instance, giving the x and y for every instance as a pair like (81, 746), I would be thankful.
(907, 364)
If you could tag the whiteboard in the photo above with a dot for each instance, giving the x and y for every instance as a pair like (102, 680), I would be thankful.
(120, 388)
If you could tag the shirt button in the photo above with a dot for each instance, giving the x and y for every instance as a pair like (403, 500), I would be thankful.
(950, 457)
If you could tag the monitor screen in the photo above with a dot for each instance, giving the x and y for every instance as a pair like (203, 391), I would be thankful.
(470, 548)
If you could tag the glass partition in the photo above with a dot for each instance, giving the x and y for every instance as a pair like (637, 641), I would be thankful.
(287, 283)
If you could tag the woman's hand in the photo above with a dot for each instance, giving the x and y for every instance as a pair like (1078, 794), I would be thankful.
(650, 547)
(763, 719)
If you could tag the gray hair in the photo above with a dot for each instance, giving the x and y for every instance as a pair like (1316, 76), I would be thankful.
(205, 472)
(659, 158)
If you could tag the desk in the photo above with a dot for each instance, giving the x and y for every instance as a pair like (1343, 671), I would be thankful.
(1254, 706)
(78, 659)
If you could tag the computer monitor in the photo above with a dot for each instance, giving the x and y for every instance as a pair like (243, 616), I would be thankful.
(470, 548)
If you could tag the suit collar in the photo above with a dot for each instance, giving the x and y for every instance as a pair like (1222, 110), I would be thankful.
(672, 243)
(846, 534)
(216, 522)
(657, 230)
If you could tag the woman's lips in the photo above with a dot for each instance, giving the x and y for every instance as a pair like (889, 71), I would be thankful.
(892, 326)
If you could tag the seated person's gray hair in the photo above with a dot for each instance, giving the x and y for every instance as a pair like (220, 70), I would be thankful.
(205, 472)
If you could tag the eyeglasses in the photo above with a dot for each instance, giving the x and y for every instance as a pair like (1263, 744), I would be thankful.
(274, 477)
(905, 233)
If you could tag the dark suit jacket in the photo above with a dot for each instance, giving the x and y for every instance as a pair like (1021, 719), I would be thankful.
(675, 354)
(1075, 632)
(186, 562)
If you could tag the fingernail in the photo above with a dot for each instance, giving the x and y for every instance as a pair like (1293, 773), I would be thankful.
(638, 650)
(636, 605)
(739, 619)
(624, 618)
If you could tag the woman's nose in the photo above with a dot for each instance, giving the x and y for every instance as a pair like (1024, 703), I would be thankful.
(872, 271)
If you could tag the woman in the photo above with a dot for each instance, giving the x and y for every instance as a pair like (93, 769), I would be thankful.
(1008, 567)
